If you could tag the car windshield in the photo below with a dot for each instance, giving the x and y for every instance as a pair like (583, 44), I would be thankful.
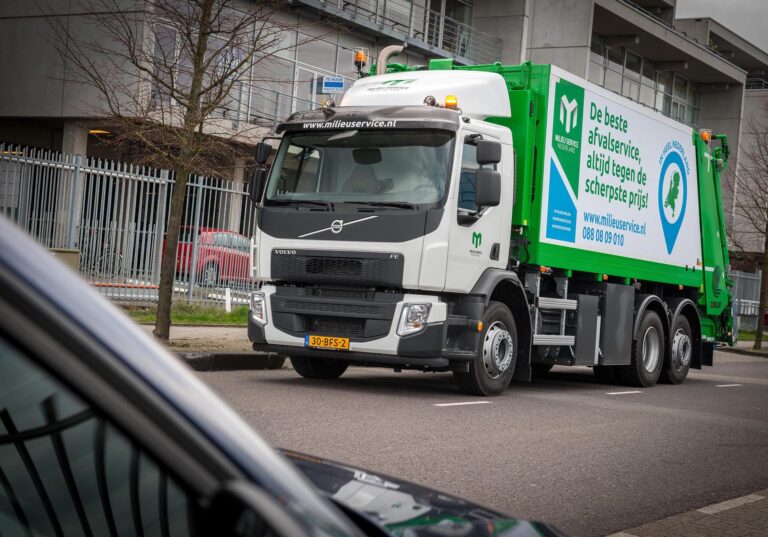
(388, 167)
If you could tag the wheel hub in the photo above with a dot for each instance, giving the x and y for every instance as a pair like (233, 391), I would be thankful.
(497, 350)
(651, 349)
(681, 349)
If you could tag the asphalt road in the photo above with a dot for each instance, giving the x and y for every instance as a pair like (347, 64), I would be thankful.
(562, 449)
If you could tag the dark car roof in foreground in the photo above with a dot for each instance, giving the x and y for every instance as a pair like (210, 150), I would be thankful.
(64, 292)
(405, 508)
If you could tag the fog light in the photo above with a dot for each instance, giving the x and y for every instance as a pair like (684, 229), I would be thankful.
(259, 307)
(413, 319)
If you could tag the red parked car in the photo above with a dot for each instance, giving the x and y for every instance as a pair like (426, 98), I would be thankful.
(222, 256)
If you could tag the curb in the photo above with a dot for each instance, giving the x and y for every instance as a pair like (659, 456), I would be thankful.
(744, 352)
(231, 361)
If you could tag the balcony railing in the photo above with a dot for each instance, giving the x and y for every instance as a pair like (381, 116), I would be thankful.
(756, 83)
(403, 19)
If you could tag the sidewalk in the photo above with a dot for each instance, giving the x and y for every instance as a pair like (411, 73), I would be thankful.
(223, 339)
(745, 516)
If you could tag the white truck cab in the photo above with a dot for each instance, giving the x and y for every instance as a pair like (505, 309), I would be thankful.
(377, 220)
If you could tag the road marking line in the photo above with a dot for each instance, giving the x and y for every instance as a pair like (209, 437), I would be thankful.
(622, 534)
(730, 504)
(467, 403)
(623, 393)
(727, 385)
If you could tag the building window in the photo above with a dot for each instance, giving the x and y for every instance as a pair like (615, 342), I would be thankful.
(628, 74)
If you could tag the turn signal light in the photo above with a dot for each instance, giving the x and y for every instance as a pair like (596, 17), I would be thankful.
(452, 102)
(706, 135)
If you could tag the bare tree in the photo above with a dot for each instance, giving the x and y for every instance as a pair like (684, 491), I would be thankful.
(168, 75)
(750, 195)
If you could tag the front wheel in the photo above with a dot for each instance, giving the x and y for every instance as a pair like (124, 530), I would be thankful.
(318, 368)
(491, 372)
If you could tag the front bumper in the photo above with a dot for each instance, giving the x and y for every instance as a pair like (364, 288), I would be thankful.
(427, 349)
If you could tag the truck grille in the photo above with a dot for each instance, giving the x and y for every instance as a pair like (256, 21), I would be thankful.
(336, 326)
(326, 307)
(373, 269)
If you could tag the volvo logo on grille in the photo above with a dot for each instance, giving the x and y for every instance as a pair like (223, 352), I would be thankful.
(285, 252)
(337, 226)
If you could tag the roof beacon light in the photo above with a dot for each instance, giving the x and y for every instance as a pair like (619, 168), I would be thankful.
(706, 135)
(360, 58)
(452, 102)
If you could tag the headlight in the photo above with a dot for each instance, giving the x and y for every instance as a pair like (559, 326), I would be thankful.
(259, 307)
(413, 319)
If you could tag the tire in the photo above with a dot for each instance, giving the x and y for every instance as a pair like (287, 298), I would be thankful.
(210, 275)
(647, 354)
(275, 361)
(491, 372)
(606, 374)
(318, 368)
(541, 369)
(678, 363)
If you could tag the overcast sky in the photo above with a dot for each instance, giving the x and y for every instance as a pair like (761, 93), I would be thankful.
(747, 18)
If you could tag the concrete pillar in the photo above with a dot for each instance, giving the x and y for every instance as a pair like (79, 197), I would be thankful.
(721, 111)
(69, 198)
(560, 33)
(508, 20)
(75, 139)
(234, 201)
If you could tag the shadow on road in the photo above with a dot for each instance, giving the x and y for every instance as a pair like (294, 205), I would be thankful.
(372, 381)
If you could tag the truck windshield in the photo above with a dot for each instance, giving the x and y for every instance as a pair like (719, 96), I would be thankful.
(396, 168)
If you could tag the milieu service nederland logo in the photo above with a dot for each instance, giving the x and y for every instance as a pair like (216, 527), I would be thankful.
(673, 192)
(569, 115)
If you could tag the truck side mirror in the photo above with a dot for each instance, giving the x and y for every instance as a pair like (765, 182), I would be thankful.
(257, 184)
(488, 152)
(487, 188)
(263, 150)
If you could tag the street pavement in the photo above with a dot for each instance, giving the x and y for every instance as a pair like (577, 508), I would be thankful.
(592, 459)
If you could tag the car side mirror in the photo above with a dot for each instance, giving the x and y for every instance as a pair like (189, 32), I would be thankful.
(257, 184)
(488, 152)
(263, 151)
(241, 509)
(487, 188)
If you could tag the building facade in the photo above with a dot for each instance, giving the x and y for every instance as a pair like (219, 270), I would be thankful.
(693, 70)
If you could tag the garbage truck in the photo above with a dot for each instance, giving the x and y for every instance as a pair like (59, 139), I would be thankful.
(492, 221)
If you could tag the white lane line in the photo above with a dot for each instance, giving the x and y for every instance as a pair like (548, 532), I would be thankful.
(727, 385)
(460, 404)
(623, 393)
(730, 504)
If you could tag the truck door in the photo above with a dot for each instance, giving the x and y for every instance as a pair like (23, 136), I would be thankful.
(714, 245)
(479, 237)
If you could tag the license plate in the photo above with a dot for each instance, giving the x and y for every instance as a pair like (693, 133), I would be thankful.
(327, 342)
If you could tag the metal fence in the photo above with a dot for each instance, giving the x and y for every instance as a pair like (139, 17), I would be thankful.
(115, 216)
(746, 298)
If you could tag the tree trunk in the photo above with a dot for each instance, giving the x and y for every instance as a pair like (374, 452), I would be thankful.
(168, 265)
(763, 298)
(187, 150)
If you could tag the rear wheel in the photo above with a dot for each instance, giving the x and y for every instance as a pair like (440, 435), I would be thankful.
(318, 368)
(210, 275)
(678, 363)
(647, 353)
(491, 372)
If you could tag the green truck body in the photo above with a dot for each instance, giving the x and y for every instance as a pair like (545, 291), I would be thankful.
(660, 179)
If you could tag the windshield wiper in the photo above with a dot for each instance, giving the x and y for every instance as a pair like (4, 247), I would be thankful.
(327, 204)
(398, 204)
